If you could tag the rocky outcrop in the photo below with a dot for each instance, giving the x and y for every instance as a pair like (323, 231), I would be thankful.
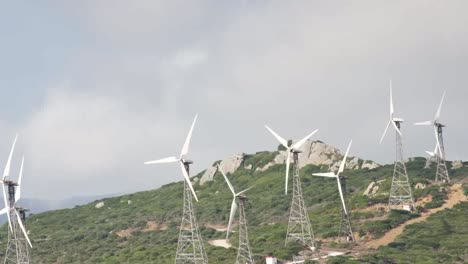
(208, 175)
(370, 165)
(228, 165)
(420, 186)
(319, 154)
(312, 152)
(457, 164)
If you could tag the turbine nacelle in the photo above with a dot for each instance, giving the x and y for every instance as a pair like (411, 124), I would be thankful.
(187, 162)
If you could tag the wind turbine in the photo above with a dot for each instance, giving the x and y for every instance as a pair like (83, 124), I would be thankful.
(400, 191)
(290, 150)
(184, 163)
(244, 254)
(190, 247)
(299, 227)
(341, 180)
(17, 249)
(439, 152)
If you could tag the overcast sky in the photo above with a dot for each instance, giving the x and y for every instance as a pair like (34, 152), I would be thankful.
(95, 88)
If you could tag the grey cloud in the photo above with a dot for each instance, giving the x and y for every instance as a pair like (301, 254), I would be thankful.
(131, 95)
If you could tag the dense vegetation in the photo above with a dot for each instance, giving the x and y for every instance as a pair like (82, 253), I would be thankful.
(143, 227)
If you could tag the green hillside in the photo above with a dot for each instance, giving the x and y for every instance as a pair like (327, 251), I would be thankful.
(143, 227)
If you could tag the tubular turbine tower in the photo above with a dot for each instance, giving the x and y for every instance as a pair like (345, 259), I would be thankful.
(299, 227)
(400, 192)
(190, 249)
(18, 241)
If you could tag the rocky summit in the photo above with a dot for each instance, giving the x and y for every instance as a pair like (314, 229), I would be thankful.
(313, 153)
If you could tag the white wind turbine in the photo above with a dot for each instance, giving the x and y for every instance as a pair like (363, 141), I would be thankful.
(400, 191)
(439, 151)
(234, 203)
(337, 176)
(436, 123)
(345, 220)
(182, 159)
(244, 254)
(10, 202)
(190, 247)
(290, 150)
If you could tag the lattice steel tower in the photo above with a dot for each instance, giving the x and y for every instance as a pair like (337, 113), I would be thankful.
(345, 223)
(400, 191)
(442, 174)
(299, 227)
(244, 254)
(190, 249)
(17, 248)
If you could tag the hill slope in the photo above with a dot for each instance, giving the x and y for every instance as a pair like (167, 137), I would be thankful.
(143, 227)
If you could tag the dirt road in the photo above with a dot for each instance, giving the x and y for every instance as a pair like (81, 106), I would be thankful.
(454, 196)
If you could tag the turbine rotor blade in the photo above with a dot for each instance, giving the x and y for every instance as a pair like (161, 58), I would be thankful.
(298, 144)
(288, 160)
(326, 174)
(426, 123)
(20, 222)
(228, 182)
(385, 132)
(343, 163)
(432, 154)
(438, 148)
(187, 179)
(160, 161)
(244, 191)
(3, 211)
(437, 116)
(283, 141)
(231, 216)
(341, 195)
(18, 189)
(185, 148)
(6, 172)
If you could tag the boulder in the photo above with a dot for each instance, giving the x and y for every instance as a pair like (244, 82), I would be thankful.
(457, 164)
(232, 163)
(420, 186)
(228, 165)
(370, 165)
(99, 205)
